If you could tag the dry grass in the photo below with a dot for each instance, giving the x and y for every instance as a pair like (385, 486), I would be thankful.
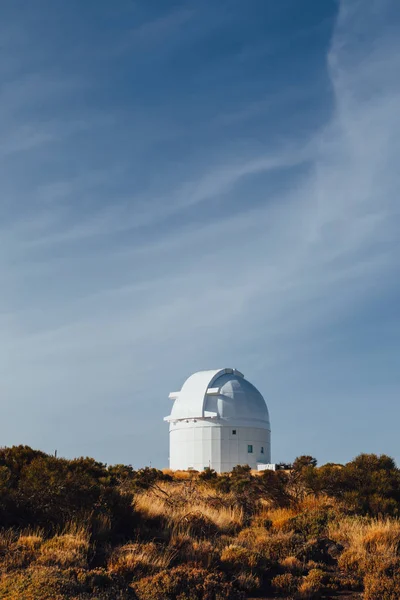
(286, 585)
(312, 585)
(313, 503)
(169, 472)
(254, 537)
(184, 582)
(280, 516)
(68, 549)
(272, 545)
(381, 586)
(43, 583)
(140, 559)
(200, 552)
(292, 564)
(184, 507)
(7, 537)
(53, 583)
(188, 528)
(240, 557)
(19, 550)
(248, 582)
(31, 541)
(361, 531)
(369, 543)
(180, 475)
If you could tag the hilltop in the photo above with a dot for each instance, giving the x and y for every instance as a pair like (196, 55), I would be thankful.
(79, 529)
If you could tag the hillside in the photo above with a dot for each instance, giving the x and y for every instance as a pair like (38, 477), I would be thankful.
(78, 529)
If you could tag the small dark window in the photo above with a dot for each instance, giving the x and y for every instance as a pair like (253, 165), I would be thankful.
(250, 449)
(233, 431)
(262, 449)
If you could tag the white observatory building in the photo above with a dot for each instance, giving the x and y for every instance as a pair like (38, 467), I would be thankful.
(219, 420)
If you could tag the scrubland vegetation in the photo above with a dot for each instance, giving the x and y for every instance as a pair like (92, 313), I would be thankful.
(78, 529)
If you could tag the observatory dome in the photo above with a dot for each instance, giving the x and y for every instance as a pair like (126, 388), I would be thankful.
(218, 419)
(223, 394)
(237, 399)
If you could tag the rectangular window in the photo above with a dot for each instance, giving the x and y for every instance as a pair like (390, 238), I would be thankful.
(250, 449)
(233, 431)
(262, 449)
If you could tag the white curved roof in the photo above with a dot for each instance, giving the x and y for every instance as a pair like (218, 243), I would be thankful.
(219, 394)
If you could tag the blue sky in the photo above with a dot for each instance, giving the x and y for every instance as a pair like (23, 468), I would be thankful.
(192, 185)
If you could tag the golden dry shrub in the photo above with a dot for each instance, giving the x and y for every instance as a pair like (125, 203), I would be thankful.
(272, 545)
(352, 562)
(168, 472)
(279, 517)
(370, 544)
(19, 551)
(99, 584)
(184, 508)
(261, 520)
(7, 537)
(312, 522)
(39, 583)
(31, 541)
(254, 537)
(285, 585)
(292, 564)
(196, 524)
(69, 549)
(239, 558)
(140, 559)
(312, 585)
(186, 582)
(279, 545)
(52, 583)
(248, 582)
(7, 541)
(26, 549)
(200, 552)
(381, 586)
(183, 475)
(314, 502)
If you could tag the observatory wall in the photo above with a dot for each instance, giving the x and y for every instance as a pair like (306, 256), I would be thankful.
(201, 443)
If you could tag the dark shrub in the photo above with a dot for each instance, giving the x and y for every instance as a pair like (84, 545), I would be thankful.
(186, 583)
(47, 583)
(286, 585)
(198, 525)
(208, 475)
(43, 491)
(310, 523)
(369, 484)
